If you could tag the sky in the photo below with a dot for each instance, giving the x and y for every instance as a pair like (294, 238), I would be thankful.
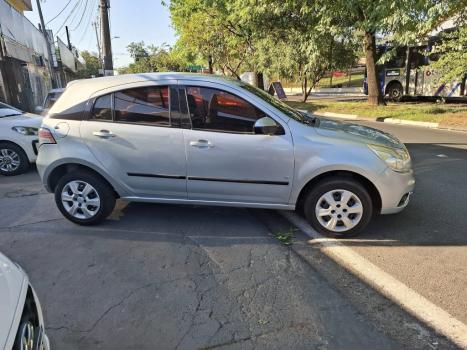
(130, 20)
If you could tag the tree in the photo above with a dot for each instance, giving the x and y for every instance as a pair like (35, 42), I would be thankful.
(404, 20)
(452, 63)
(137, 50)
(289, 42)
(206, 28)
(153, 58)
(92, 65)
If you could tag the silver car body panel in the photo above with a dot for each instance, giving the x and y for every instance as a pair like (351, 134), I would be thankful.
(264, 171)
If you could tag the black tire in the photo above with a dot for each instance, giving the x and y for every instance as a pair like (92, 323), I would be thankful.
(395, 92)
(22, 157)
(338, 183)
(103, 190)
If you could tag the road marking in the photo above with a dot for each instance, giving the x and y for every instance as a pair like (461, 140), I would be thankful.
(418, 306)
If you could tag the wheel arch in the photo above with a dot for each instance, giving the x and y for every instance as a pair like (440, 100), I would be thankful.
(15, 144)
(59, 171)
(365, 182)
(393, 83)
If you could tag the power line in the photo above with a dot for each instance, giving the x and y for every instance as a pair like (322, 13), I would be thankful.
(82, 16)
(58, 14)
(75, 18)
(90, 16)
(68, 17)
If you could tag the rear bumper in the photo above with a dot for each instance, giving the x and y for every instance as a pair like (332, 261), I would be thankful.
(395, 190)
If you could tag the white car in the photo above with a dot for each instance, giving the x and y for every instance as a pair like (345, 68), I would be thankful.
(18, 139)
(21, 320)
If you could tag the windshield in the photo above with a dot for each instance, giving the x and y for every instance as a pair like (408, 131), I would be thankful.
(281, 106)
(8, 111)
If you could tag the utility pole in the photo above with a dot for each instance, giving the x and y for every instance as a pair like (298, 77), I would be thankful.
(105, 35)
(99, 52)
(68, 37)
(49, 50)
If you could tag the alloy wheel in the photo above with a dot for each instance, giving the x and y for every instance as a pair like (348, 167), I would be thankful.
(9, 160)
(339, 210)
(27, 336)
(80, 199)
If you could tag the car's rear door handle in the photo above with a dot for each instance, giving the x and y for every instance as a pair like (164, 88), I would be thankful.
(104, 134)
(201, 144)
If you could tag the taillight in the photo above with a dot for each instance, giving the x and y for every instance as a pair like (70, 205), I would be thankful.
(45, 136)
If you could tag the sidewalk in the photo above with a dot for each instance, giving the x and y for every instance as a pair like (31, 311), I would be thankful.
(428, 115)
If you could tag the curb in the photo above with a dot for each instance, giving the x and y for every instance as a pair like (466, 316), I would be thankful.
(394, 121)
(411, 122)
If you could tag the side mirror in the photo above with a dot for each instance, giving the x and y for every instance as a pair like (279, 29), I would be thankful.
(268, 126)
(38, 109)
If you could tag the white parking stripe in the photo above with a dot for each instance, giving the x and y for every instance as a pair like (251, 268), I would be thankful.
(427, 312)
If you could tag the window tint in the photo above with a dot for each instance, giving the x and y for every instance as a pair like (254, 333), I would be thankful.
(102, 109)
(212, 109)
(147, 105)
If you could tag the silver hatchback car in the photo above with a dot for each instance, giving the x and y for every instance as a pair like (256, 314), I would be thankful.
(199, 139)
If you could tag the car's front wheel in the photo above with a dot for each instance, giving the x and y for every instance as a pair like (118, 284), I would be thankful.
(84, 198)
(13, 160)
(338, 207)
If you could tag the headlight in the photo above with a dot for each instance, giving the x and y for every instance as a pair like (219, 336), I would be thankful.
(25, 130)
(398, 159)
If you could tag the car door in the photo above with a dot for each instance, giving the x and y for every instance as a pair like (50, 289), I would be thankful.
(226, 160)
(135, 135)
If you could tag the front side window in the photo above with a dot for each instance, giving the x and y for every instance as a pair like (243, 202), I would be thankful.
(145, 105)
(217, 110)
(102, 109)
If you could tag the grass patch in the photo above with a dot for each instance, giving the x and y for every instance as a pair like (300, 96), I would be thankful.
(285, 237)
(449, 114)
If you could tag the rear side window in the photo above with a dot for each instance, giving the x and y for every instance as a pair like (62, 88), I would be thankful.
(102, 109)
(146, 105)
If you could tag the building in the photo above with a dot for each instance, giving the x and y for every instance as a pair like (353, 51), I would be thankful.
(24, 78)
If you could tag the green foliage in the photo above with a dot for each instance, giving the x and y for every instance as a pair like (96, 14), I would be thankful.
(300, 40)
(275, 37)
(153, 58)
(92, 65)
(452, 64)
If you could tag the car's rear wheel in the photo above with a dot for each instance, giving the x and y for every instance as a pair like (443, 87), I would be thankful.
(338, 207)
(84, 198)
(13, 160)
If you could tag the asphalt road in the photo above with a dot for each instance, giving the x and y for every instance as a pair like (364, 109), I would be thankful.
(160, 276)
(173, 277)
(425, 246)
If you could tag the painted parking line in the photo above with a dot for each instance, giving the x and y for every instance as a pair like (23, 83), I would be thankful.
(420, 307)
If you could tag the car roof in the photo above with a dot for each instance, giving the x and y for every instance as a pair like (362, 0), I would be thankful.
(110, 81)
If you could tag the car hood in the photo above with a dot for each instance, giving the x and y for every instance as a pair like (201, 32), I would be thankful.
(355, 132)
(11, 284)
(25, 119)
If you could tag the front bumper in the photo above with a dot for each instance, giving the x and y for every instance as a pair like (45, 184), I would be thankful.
(395, 190)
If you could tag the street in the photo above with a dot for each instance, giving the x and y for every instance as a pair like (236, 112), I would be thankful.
(167, 276)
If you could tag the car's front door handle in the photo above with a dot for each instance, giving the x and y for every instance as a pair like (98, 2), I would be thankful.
(201, 144)
(104, 134)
